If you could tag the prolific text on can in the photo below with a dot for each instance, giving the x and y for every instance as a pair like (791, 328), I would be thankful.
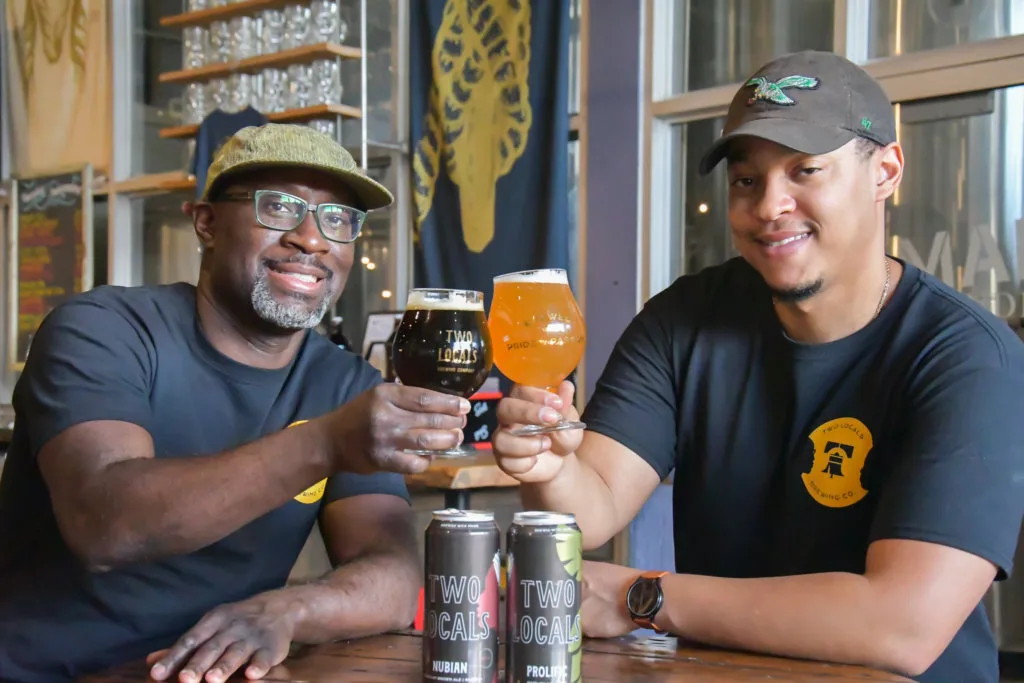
(460, 597)
(544, 560)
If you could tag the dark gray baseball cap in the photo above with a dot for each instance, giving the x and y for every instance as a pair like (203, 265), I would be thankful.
(813, 102)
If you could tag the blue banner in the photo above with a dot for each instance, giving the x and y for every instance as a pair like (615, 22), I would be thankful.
(490, 130)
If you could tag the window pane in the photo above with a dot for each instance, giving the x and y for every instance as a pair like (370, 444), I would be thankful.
(958, 213)
(723, 41)
(575, 56)
(574, 210)
(700, 225)
(381, 18)
(900, 27)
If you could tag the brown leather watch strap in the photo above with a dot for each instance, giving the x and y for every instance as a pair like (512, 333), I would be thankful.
(643, 622)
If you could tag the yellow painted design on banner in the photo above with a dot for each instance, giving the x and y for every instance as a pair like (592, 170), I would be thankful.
(478, 113)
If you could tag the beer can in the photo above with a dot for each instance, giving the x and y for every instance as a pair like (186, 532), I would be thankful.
(544, 561)
(461, 597)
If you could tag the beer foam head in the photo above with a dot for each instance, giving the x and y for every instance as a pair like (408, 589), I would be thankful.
(548, 276)
(445, 300)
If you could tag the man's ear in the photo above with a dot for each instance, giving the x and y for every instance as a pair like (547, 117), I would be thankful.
(889, 170)
(202, 221)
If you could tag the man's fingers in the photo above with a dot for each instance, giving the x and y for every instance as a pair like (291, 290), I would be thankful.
(537, 395)
(177, 654)
(204, 658)
(237, 654)
(429, 439)
(262, 661)
(419, 400)
(508, 446)
(566, 392)
(515, 411)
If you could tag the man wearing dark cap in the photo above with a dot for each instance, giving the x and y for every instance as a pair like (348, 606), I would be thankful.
(173, 445)
(844, 430)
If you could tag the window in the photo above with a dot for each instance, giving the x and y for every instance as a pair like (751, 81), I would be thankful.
(901, 27)
(959, 213)
(715, 42)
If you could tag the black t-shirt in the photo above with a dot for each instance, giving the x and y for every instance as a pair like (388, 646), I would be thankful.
(791, 458)
(138, 355)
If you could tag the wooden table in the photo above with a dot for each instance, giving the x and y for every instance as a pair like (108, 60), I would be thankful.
(459, 476)
(396, 657)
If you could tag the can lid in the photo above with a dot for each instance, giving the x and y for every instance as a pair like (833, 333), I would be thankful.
(455, 515)
(542, 518)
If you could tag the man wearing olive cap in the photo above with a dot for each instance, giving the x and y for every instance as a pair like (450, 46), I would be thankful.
(844, 430)
(173, 445)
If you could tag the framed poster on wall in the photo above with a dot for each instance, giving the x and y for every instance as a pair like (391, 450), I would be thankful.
(50, 251)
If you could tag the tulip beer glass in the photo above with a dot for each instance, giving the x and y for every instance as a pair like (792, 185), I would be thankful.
(538, 333)
(443, 344)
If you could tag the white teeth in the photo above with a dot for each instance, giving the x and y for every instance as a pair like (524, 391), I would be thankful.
(794, 238)
(302, 277)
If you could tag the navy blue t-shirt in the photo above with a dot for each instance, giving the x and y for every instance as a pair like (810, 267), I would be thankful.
(138, 355)
(792, 458)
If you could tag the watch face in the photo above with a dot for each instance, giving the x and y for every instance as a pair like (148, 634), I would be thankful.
(644, 597)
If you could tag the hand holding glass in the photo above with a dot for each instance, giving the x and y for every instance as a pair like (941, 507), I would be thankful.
(443, 344)
(538, 333)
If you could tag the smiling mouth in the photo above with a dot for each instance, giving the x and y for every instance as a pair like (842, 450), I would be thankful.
(783, 242)
(301, 277)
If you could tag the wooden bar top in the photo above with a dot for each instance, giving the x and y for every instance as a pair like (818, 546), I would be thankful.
(397, 657)
(477, 471)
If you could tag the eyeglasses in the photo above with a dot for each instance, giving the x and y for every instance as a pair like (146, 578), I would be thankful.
(282, 211)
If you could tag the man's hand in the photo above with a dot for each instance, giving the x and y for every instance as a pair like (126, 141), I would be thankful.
(535, 459)
(604, 600)
(256, 632)
(369, 433)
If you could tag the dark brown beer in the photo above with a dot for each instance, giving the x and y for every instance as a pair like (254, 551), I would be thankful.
(443, 342)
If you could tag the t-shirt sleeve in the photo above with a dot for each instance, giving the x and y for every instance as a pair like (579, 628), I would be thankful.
(347, 484)
(959, 480)
(634, 401)
(87, 362)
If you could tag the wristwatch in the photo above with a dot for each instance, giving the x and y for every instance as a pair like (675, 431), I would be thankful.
(644, 599)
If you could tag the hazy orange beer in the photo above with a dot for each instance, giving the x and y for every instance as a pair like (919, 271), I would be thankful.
(537, 330)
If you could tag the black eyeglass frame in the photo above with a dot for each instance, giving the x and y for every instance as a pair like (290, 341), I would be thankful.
(306, 208)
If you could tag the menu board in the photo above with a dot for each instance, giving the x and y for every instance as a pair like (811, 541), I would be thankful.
(51, 250)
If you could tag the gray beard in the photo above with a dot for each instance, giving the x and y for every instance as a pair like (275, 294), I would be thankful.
(296, 316)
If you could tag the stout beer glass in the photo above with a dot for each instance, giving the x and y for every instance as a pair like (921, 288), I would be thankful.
(538, 333)
(443, 344)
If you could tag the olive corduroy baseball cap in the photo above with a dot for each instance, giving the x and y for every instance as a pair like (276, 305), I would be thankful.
(813, 102)
(280, 145)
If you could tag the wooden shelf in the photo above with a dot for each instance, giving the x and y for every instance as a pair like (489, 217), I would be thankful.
(171, 181)
(298, 55)
(317, 111)
(236, 9)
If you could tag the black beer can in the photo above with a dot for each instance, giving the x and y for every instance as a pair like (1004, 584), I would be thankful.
(544, 561)
(460, 597)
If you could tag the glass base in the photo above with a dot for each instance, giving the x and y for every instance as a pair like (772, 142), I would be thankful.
(532, 430)
(458, 452)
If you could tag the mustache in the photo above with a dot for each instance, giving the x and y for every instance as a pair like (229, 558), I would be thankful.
(303, 259)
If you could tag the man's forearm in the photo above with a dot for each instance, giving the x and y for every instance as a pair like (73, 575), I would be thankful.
(142, 509)
(366, 596)
(580, 490)
(836, 617)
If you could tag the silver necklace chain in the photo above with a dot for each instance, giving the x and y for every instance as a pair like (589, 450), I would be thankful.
(885, 290)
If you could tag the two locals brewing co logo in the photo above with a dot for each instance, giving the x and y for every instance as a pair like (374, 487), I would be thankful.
(840, 448)
(315, 492)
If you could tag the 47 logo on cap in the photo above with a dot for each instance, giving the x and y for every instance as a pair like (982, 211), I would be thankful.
(772, 91)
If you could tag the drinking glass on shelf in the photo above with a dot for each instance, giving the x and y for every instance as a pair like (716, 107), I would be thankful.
(443, 344)
(272, 31)
(194, 44)
(538, 333)
(298, 25)
(275, 91)
(326, 16)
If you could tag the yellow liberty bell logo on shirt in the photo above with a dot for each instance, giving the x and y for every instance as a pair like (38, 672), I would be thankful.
(315, 492)
(840, 448)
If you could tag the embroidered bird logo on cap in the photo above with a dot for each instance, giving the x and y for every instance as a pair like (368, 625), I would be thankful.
(772, 91)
